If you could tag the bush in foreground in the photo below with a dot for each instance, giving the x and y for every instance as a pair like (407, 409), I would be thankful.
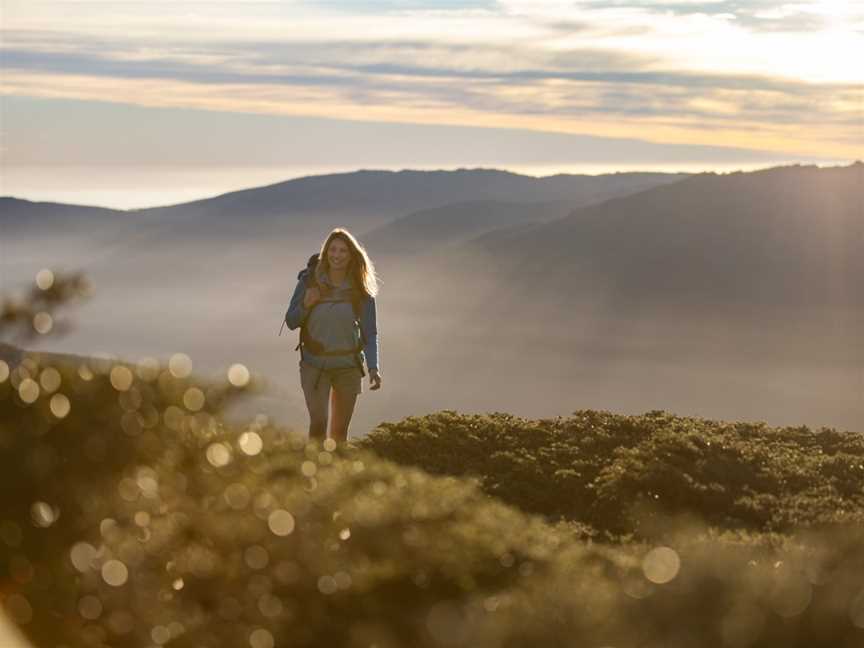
(138, 518)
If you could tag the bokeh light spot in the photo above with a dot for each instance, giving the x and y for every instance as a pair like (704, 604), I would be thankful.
(261, 638)
(281, 522)
(238, 375)
(121, 378)
(85, 373)
(43, 323)
(50, 380)
(42, 515)
(327, 584)
(28, 390)
(250, 443)
(270, 606)
(661, 565)
(218, 454)
(82, 556)
(193, 399)
(107, 527)
(147, 369)
(44, 279)
(115, 573)
(160, 635)
(60, 406)
(237, 496)
(180, 365)
(146, 480)
(4, 371)
(90, 607)
(128, 489)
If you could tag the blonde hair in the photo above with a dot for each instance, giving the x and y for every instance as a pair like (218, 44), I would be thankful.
(360, 268)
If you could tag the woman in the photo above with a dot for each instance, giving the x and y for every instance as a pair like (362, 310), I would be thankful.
(334, 304)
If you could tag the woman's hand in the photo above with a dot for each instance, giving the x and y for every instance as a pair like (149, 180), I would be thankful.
(374, 379)
(312, 297)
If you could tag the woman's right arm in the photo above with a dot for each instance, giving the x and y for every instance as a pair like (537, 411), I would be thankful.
(297, 313)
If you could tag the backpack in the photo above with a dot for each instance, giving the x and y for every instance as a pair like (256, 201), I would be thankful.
(307, 275)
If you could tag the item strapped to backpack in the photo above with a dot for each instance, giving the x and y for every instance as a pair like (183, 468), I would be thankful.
(307, 275)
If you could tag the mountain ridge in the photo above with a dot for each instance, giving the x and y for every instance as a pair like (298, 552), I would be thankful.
(373, 175)
(770, 222)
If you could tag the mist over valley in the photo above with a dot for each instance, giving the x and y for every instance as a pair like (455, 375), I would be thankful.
(728, 296)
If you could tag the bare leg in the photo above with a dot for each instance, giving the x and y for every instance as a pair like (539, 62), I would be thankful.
(342, 408)
(317, 398)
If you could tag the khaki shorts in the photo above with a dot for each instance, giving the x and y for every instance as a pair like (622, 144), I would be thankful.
(348, 380)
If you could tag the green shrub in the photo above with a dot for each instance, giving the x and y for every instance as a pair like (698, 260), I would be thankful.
(609, 471)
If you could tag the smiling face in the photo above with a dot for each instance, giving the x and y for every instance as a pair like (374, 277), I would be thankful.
(338, 254)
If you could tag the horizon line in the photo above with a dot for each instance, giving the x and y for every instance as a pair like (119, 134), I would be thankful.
(729, 169)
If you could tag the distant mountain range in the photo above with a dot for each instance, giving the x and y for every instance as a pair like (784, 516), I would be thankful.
(309, 207)
(428, 230)
(788, 236)
(24, 216)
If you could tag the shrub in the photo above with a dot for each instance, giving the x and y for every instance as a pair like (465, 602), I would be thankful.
(609, 471)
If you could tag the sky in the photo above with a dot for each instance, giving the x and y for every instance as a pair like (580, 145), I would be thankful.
(131, 104)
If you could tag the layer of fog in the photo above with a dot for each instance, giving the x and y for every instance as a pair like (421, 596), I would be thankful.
(453, 338)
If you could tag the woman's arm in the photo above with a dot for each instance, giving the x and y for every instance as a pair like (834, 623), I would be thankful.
(297, 313)
(369, 324)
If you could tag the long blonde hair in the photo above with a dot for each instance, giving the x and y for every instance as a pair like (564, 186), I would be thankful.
(360, 269)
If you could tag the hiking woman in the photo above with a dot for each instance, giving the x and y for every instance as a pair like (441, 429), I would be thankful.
(334, 306)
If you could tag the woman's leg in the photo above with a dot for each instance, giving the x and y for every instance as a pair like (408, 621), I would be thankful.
(342, 405)
(317, 398)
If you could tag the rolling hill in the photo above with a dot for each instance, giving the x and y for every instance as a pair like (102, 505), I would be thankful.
(790, 237)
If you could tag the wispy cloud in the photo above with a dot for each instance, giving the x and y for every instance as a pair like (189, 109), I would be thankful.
(747, 73)
(768, 15)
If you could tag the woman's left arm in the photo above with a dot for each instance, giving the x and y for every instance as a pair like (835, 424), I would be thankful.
(369, 324)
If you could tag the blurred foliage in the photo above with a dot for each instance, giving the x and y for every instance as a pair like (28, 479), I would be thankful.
(132, 516)
(36, 312)
(614, 472)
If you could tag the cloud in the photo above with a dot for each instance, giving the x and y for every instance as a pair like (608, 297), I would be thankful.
(576, 90)
(756, 15)
(682, 70)
(390, 65)
(378, 6)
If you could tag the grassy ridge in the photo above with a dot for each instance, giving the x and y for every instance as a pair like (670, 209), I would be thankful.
(612, 472)
(139, 518)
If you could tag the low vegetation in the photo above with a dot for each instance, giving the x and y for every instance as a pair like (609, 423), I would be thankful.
(132, 515)
(615, 473)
